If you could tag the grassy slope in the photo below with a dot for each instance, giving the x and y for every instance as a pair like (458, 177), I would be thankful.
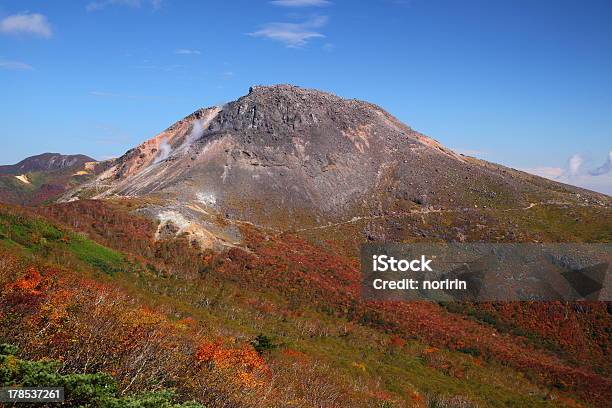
(231, 298)
(44, 186)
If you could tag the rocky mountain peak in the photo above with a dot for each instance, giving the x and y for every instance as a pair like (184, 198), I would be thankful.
(283, 155)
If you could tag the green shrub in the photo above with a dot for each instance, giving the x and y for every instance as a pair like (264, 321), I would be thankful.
(473, 351)
(80, 390)
(263, 343)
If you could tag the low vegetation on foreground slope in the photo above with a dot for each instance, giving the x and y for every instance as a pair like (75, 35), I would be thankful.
(87, 295)
(92, 389)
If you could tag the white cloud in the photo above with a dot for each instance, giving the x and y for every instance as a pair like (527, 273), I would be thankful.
(166, 68)
(604, 168)
(292, 35)
(300, 3)
(601, 183)
(102, 4)
(27, 23)
(469, 152)
(103, 94)
(329, 47)
(107, 133)
(186, 51)
(15, 65)
(547, 172)
(575, 164)
(402, 3)
(598, 179)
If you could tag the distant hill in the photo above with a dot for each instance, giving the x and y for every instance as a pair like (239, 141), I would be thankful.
(44, 177)
(46, 162)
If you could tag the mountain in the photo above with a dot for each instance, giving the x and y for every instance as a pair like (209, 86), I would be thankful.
(289, 158)
(46, 162)
(227, 247)
(44, 177)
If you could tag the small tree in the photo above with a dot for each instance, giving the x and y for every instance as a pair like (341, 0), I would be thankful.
(263, 343)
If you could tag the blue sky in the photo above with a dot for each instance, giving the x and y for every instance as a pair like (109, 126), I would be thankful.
(523, 83)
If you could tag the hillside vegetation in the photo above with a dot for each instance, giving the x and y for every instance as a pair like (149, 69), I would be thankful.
(276, 323)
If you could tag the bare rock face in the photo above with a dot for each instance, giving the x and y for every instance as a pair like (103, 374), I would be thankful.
(287, 157)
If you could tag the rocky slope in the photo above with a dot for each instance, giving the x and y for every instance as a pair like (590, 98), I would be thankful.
(285, 157)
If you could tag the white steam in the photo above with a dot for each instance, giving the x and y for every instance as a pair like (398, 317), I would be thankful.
(197, 129)
(164, 151)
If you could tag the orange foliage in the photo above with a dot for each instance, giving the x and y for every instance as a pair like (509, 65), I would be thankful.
(383, 395)
(397, 341)
(415, 396)
(247, 363)
(320, 278)
(58, 314)
(302, 273)
(298, 356)
(29, 282)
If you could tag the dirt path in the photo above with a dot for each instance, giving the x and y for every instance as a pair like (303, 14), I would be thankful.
(420, 212)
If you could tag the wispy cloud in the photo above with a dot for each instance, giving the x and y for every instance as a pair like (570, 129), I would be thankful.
(27, 23)
(547, 172)
(102, 4)
(402, 3)
(300, 3)
(187, 51)
(605, 168)
(470, 152)
(227, 75)
(103, 94)
(293, 35)
(15, 65)
(108, 133)
(165, 68)
(329, 47)
(575, 173)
